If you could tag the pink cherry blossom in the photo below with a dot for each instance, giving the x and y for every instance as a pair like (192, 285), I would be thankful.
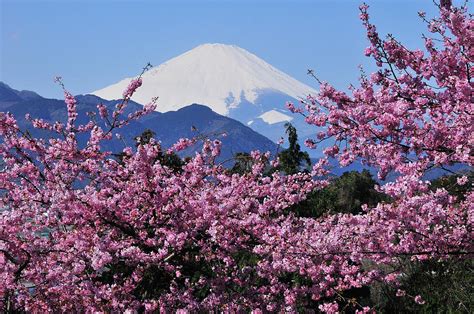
(82, 231)
(419, 300)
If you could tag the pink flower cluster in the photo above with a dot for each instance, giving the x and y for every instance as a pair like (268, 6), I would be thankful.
(132, 87)
(81, 231)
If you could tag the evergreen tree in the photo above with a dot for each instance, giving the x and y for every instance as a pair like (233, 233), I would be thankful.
(243, 163)
(292, 159)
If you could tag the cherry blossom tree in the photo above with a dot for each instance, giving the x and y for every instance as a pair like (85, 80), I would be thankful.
(82, 231)
(413, 114)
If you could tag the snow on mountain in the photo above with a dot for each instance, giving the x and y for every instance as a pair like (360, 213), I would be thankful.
(213, 74)
(273, 116)
(228, 79)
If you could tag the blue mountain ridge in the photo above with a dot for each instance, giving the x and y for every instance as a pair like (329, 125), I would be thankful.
(191, 121)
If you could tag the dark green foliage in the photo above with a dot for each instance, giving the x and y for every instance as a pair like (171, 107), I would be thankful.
(243, 163)
(345, 194)
(108, 275)
(446, 287)
(171, 160)
(155, 281)
(292, 159)
(450, 184)
(144, 138)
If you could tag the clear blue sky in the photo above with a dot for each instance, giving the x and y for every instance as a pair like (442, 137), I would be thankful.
(92, 44)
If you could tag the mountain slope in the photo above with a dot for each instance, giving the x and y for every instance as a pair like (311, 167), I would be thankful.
(10, 95)
(169, 127)
(214, 74)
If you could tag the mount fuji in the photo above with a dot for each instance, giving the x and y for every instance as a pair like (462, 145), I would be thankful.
(228, 79)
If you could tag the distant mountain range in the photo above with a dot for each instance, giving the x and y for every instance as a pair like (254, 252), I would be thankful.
(168, 127)
(228, 79)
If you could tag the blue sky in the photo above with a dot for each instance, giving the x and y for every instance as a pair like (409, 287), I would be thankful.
(92, 44)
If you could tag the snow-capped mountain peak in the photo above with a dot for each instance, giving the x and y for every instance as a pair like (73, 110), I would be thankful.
(216, 75)
(226, 78)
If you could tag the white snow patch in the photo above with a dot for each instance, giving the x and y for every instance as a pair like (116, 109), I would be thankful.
(215, 75)
(273, 116)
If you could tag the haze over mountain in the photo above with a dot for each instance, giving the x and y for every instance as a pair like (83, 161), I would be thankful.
(228, 79)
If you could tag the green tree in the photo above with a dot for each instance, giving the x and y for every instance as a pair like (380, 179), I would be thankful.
(345, 194)
(145, 137)
(243, 163)
(292, 159)
(171, 160)
(449, 182)
(446, 287)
